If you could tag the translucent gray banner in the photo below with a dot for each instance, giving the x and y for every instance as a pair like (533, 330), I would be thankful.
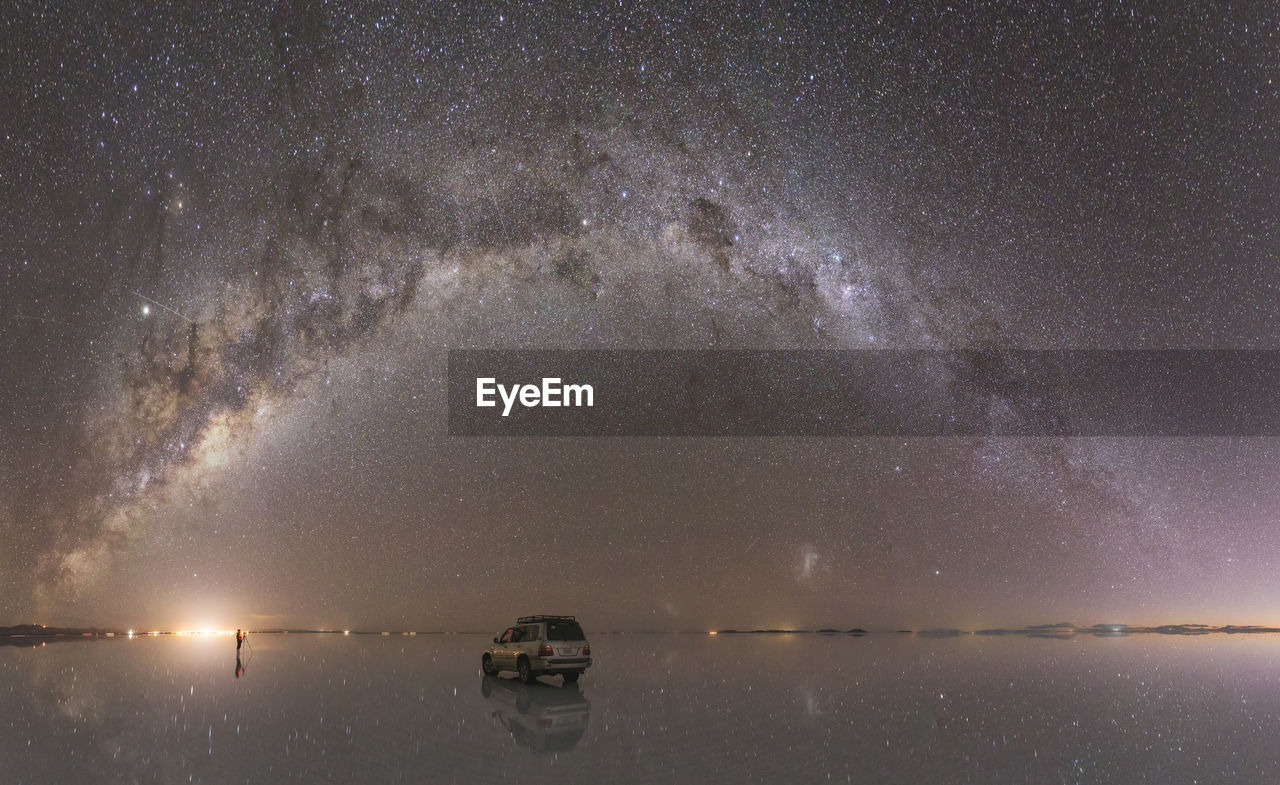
(1000, 392)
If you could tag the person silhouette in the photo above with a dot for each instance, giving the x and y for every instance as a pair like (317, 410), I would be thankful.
(239, 642)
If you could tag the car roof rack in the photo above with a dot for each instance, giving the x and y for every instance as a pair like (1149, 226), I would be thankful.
(536, 619)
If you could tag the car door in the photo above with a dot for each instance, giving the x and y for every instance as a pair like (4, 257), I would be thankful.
(524, 642)
(502, 654)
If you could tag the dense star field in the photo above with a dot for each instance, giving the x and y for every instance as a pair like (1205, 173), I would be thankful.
(235, 247)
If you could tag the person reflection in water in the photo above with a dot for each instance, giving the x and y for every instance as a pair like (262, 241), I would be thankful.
(239, 667)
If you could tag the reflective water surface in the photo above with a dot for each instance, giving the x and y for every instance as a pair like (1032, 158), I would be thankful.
(655, 708)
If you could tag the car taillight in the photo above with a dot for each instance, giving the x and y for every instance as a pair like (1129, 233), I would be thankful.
(545, 651)
(586, 649)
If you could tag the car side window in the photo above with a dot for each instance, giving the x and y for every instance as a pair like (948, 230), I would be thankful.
(506, 637)
(531, 632)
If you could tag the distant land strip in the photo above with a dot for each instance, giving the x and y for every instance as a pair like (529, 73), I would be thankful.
(36, 634)
(1060, 630)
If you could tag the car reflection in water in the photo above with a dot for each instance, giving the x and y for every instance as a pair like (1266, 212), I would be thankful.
(540, 716)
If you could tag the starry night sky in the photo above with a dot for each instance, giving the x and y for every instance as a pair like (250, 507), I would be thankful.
(235, 247)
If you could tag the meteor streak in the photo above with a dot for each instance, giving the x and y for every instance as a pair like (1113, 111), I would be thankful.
(162, 305)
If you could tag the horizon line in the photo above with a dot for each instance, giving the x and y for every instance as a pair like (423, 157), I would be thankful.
(1058, 629)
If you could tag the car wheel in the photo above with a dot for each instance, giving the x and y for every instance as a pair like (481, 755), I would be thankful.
(486, 664)
(571, 677)
(525, 670)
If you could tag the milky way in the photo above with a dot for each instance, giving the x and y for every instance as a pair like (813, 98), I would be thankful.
(312, 206)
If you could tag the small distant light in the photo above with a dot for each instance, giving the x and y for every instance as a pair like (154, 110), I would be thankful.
(146, 310)
(346, 632)
(713, 632)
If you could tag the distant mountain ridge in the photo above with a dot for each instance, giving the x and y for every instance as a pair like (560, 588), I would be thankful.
(40, 629)
(1055, 630)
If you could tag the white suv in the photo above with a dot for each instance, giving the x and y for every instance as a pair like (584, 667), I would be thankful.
(537, 646)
